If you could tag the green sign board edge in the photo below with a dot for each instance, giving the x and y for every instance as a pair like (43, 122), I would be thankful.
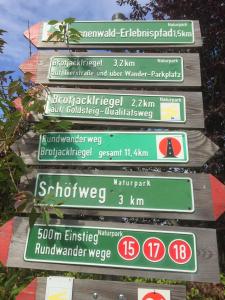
(119, 118)
(112, 56)
(122, 208)
(130, 43)
(119, 132)
(117, 266)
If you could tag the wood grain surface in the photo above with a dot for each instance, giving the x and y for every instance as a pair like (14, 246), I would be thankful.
(83, 289)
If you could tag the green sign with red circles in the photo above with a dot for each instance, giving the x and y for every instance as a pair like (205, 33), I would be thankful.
(112, 247)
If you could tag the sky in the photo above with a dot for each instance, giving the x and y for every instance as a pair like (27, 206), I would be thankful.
(14, 16)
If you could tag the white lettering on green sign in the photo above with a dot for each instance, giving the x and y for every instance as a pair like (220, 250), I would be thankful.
(117, 68)
(129, 32)
(83, 105)
(114, 146)
(116, 192)
(112, 247)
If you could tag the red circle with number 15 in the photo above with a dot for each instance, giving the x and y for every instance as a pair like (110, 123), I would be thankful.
(128, 247)
(180, 251)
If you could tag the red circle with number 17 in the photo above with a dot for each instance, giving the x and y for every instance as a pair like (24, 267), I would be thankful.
(154, 249)
(180, 251)
(128, 247)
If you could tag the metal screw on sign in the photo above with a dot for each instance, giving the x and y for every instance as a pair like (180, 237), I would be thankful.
(121, 297)
(95, 295)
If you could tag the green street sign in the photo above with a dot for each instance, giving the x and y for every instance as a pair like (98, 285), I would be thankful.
(112, 247)
(115, 192)
(129, 32)
(114, 146)
(117, 68)
(111, 106)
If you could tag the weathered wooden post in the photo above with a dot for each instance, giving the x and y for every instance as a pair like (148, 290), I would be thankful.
(170, 104)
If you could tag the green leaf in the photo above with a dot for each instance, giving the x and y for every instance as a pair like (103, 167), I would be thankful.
(74, 38)
(34, 215)
(43, 125)
(26, 100)
(36, 107)
(15, 87)
(56, 34)
(74, 31)
(9, 283)
(69, 20)
(53, 22)
(15, 291)
(46, 217)
(58, 212)
(61, 27)
(64, 125)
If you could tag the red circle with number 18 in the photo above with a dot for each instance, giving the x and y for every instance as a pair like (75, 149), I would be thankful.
(154, 249)
(128, 247)
(180, 251)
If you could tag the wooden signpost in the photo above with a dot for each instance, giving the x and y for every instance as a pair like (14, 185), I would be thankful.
(179, 253)
(129, 194)
(168, 252)
(180, 70)
(115, 148)
(125, 108)
(125, 34)
(103, 289)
